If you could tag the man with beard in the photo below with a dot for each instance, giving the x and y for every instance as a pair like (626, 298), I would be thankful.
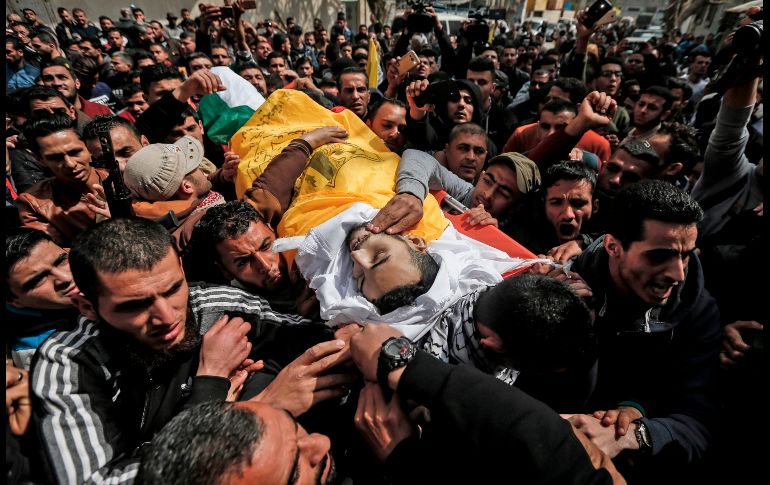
(648, 289)
(567, 203)
(59, 75)
(653, 107)
(46, 46)
(147, 346)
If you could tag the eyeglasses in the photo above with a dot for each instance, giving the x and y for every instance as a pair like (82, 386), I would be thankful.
(618, 74)
(538, 83)
(548, 126)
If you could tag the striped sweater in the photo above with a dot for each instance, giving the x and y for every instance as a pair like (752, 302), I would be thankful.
(94, 411)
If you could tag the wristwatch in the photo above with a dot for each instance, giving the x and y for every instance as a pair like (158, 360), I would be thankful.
(643, 438)
(395, 353)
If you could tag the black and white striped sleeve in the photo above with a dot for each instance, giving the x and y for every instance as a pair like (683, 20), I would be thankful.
(73, 397)
(209, 303)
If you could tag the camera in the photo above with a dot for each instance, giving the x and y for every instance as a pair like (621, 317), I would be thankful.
(419, 20)
(746, 47)
(748, 39)
(478, 29)
(437, 92)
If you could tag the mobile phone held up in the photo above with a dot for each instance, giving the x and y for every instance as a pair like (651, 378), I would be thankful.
(248, 4)
(408, 62)
(601, 12)
(226, 11)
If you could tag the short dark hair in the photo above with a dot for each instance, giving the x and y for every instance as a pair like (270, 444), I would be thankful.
(303, 60)
(576, 88)
(45, 37)
(523, 58)
(351, 70)
(16, 43)
(558, 105)
(468, 129)
(220, 223)
(95, 44)
(571, 170)
(372, 111)
(677, 83)
(185, 34)
(665, 93)
(103, 123)
(683, 147)
(129, 90)
(38, 127)
(649, 199)
(275, 55)
(41, 93)
(158, 72)
(544, 325)
(165, 49)
(481, 64)
(201, 445)
(239, 67)
(116, 246)
(85, 68)
(18, 246)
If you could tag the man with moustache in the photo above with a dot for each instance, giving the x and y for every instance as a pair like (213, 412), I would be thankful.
(147, 346)
(648, 291)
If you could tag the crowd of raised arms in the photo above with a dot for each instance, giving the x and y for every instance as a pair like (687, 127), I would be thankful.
(233, 322)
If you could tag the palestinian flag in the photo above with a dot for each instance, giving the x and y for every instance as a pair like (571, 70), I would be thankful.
(224, 113)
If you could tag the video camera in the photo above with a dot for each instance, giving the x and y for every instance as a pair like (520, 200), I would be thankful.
(478, 29)
(419, 20)
(747, 48)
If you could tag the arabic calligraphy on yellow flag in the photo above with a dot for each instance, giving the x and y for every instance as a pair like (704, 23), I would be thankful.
(336, 176)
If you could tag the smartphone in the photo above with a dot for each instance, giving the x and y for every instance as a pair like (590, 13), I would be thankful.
(408, 62)
(601, 12)
(248, 4)
(226, 11)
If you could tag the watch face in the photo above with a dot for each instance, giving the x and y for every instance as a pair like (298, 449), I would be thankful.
(397, 348)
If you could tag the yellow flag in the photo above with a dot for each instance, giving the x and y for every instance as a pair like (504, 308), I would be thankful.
(373, 64)
(337, 175)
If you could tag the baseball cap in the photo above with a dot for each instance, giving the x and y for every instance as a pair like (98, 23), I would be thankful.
(171, 15)
(640, 149)
(156, 171)
(527, 173)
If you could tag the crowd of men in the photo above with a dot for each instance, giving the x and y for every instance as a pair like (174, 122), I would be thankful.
(177, 346)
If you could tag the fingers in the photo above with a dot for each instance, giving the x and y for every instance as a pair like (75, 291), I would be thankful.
(329, 361)
(319, 351)
(326, 394)
(333, 380)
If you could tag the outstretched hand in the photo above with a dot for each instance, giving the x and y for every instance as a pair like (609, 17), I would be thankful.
(305, 381)
(325, 134)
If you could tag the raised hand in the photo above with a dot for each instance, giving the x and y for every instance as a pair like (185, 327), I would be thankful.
(200, 83)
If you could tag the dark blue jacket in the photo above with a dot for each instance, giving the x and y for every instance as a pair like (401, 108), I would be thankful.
(669, 369)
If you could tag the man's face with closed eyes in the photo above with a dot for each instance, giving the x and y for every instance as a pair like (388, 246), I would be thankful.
(383, 262)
